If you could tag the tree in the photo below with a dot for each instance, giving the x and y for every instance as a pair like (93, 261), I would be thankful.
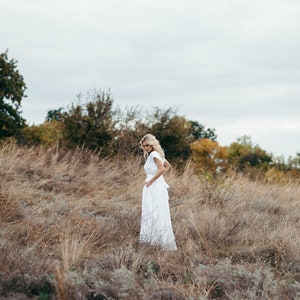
(198, 131)
(54, 115)
(12, 88)
(173, 132)
(294, 162)
(243, 154)
(208, 156)
(130, 128)
(90, 124)
(48, 134)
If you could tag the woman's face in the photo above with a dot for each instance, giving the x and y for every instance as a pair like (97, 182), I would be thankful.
(148, 148)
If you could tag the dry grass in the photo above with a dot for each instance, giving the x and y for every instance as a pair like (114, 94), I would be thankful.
(70, 227)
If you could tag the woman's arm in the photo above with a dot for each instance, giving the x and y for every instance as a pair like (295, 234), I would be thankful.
(161, 170)
(167, 165)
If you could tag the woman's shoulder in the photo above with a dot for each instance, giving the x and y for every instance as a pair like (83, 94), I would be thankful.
(154, 153)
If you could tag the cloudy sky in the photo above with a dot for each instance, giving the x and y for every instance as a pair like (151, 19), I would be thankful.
(232, 65)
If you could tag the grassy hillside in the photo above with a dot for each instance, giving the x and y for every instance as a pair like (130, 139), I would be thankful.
(70, 225)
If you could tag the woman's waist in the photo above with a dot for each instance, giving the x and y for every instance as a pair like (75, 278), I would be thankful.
(160, 179)
(150, 176)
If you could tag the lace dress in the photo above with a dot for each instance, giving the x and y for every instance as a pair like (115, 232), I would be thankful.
(156, 227)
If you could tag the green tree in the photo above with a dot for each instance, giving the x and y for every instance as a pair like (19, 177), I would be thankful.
(90, 124)
(243, 154)
(12, 88)
(131, 126)
(198, 131)
(176, 133)
(173, 132)
(294, 162)
(54, 114)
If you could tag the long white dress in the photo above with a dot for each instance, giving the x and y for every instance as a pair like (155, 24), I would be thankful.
(156, 227)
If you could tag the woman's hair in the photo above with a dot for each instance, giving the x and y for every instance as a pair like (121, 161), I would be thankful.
(151, 140)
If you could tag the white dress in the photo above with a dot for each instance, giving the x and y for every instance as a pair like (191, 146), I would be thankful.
(156, 227)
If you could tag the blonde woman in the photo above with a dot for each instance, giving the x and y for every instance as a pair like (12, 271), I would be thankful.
(156, 227)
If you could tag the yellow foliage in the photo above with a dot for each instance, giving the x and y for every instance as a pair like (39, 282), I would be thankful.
(208, 155)
(46, 134)
(273, 175)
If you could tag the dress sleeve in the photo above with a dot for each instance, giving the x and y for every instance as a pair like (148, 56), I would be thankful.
(157, 155)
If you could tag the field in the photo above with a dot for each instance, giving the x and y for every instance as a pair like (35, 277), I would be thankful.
(70, 227)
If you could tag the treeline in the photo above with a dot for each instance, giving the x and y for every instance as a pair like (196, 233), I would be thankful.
(94, 122)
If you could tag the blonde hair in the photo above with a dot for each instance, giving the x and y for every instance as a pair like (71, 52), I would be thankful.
(151, 140)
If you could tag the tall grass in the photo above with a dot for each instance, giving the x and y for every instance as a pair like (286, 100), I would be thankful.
(70, 227)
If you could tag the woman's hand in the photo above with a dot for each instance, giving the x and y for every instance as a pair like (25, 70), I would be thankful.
(161, 169)
(148, 183)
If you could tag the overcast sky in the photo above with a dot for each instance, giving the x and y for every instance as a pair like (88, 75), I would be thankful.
(232, 65)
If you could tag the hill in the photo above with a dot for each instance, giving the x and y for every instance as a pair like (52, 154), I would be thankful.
(70, 227)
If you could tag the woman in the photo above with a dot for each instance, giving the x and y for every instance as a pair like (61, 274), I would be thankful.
(156, 227)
